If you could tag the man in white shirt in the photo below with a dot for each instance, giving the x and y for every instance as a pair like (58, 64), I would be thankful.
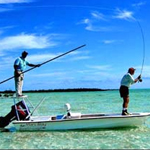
(126, 82)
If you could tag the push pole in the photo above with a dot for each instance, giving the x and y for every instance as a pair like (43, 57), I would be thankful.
(45, 62)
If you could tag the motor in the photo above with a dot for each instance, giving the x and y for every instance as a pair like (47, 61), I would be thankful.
(18, 112)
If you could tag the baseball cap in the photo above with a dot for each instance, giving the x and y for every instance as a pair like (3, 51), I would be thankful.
(131, 69)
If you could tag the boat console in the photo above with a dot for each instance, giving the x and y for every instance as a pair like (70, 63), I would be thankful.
(69, 115)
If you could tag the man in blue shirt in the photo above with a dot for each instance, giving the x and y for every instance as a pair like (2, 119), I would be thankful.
(126, 82)
(19, 67)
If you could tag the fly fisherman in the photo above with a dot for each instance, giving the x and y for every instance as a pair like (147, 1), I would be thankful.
(126, 82)
(19, 67)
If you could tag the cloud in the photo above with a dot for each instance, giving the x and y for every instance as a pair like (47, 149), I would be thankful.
(97, 28)
(108, 41)
(38, 58)
(7, 63)
(41, 57)
(86, 21)
(93, 23)
(54, 74)
(47, 56)
(5, 9)
(26, 41)
(100, 67)
(80, 58)
(124, 14)
(146, 70)
(8, 5)
(79, 55)
(111, 41)
(4, 29)
(139, 4)
(14, 1)
(97, 15)
(94, 26)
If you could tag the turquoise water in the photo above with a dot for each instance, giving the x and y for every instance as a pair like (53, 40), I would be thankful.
(84, 102)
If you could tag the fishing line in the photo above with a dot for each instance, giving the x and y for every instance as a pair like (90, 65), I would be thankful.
(94, 7)
(143, 39)
(101, 8)
(58, 6)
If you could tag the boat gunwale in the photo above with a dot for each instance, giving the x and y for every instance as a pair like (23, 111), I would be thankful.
(106, 116)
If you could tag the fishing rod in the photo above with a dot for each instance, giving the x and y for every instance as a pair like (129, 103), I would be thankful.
(45, 62)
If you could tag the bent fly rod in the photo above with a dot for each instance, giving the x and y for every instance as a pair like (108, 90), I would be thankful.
(143, 40)
(46, 62)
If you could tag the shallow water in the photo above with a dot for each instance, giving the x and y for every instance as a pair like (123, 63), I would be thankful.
(84, 102)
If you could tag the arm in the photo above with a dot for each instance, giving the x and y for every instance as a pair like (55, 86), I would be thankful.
(16, 66)
(33, 65)
(131, 80)
(17, 73)
(138, 79)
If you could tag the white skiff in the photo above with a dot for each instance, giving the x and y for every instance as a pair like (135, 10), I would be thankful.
(81, 121)
(24, 120)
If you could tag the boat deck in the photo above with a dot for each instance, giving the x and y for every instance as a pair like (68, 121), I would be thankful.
(86, 116)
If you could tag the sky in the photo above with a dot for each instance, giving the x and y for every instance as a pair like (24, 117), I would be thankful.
(116, 34)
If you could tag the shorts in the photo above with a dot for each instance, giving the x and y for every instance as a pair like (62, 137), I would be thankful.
(124, 91)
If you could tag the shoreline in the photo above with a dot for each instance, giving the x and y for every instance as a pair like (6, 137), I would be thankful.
(61, 90)
(8, 93)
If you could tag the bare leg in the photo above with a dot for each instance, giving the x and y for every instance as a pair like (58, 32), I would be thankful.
(125, 105)
(125, 102)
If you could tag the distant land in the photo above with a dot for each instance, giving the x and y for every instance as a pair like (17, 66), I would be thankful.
(9, 93)
(60, 90)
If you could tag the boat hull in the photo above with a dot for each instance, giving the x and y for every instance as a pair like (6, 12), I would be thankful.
(89, 121)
